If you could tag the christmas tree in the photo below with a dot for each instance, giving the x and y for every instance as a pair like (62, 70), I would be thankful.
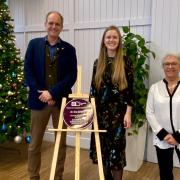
(14, 115)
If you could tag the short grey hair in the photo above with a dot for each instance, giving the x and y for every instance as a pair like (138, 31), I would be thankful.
(175, 55)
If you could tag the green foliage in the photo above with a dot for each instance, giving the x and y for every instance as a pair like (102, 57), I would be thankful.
(14, 115)
(135, 47)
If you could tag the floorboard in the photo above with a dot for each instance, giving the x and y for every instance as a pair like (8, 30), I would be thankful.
(13, 165)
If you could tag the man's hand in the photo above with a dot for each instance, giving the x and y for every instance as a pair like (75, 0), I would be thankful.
(51, 102)
(45, 96)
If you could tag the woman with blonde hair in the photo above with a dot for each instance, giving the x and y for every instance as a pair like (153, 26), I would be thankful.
(112, 88)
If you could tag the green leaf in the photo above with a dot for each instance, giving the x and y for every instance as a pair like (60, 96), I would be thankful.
(153, 54)
(125, 29)
(141, 43)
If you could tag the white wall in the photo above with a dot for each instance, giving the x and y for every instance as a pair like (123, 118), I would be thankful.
(165, 38)
(85, 21)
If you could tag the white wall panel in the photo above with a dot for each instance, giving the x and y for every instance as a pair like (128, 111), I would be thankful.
(18, 12)
(127, 8)
(86, 12)
(20, 43)
(134, 8)
(92, 10)
(141, 8)
(121, 9)
(115, 11)
(146, 8)
(174, 16)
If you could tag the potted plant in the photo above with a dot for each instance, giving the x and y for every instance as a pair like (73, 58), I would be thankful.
(137, 50)
(135, 47)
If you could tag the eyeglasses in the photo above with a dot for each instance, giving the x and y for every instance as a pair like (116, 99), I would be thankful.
(170, 64)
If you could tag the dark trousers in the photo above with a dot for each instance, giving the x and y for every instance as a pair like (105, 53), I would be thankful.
(165, 161)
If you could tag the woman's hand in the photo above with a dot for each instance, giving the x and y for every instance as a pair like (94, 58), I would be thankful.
(127, 120)
(127, 117)
(170, 140)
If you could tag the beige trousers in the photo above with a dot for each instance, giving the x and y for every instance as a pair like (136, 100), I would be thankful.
(39, 121)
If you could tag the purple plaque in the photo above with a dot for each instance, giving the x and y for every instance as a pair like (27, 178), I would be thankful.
(78, 113)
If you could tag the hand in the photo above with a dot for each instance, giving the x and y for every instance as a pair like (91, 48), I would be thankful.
(51, 102)
(45, 96)
(170, 140)
(127, 120)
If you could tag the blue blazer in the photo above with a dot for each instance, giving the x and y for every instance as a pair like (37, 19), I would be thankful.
(34, 72)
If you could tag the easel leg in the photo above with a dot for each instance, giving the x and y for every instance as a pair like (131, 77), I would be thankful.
(57, 143)
(97, 140)
(77, 157)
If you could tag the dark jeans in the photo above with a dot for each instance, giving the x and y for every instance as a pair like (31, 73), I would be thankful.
(165, 161)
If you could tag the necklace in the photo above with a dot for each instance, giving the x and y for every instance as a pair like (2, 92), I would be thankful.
(172, 86)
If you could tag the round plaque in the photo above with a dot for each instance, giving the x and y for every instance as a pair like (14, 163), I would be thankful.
(78, 113)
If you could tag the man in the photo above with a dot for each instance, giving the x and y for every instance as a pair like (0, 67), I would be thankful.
(50, 72)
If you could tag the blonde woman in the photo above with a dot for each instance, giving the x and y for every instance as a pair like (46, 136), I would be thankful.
(112, 87)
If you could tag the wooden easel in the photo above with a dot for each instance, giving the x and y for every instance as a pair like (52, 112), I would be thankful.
(78, 132)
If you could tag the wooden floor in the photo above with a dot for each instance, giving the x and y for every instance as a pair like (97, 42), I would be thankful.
(13, 165)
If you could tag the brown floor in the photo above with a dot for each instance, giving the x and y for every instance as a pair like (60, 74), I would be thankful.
(13, 165)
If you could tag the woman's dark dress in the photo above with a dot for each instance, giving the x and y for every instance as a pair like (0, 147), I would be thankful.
(111, 106)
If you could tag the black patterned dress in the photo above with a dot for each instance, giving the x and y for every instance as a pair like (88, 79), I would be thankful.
(111, 106)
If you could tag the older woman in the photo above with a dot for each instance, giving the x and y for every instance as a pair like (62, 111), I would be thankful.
(163, 115)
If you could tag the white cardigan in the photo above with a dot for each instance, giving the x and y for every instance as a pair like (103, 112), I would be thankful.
(158, 112)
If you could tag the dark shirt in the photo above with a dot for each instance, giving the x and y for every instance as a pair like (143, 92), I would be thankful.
(52, 48)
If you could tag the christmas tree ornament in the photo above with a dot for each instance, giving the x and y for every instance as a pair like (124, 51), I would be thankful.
(4, 127)
(10, 93)
(19, 102)
(17, 139)
(27, 88)
(28, 139)
(17, 115)
(12, 62)
(0, 86)
(14, 86)
(10, 127)
(14, 75)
